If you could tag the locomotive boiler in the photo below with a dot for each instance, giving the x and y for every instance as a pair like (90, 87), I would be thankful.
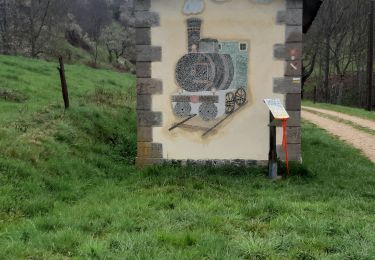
(212, 76)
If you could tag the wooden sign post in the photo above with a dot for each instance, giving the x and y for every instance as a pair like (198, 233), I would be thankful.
(277, 112)
(272, 156)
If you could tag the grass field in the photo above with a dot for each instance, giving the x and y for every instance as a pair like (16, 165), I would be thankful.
(343, 109)
(68, 188)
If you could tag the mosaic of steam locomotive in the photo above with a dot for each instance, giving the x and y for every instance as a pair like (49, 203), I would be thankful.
(212, 76)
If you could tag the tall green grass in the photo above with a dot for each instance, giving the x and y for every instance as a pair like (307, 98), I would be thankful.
(68, 188)
(38, 82)
(362, 113)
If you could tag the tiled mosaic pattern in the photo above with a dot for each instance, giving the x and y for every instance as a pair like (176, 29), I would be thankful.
(212, 68)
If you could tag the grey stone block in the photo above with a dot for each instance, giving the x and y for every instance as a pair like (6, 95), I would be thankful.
(143, 36)
(293, 34)
(294, 151)
(293, 102)
(146, 19)
(148, 53)
(291, 4)
(288, 51)
(144, 102)
(217, 162)
(294, 17)
(294, 135)
(149, 86)
(142, 5)
(295, 118)
(143, 69)
(149, 150)
(148, 118)
(279, 51)
(144, 134)
(281, 17)
(287, 85)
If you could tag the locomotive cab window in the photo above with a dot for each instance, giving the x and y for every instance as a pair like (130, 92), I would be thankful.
(243, 46)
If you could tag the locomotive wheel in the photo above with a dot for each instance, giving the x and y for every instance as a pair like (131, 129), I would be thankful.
(240, 96)
(230, 102)
(208, 111)
(182, 109)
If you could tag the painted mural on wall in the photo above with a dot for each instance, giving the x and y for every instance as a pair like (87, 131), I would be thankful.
(212, 79)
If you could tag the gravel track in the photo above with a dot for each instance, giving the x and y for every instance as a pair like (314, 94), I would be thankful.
(359, 121)
(359, 139)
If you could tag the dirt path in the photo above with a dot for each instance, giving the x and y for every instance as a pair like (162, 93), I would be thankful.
(359, 139)
(359, 121)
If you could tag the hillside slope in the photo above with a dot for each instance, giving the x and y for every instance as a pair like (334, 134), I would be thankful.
(69, 190)
(45, 150)
(32, 111)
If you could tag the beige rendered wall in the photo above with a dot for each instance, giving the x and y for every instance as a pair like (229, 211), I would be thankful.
(245, 135)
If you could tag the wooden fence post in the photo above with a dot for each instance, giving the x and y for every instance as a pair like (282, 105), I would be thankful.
(64, 86)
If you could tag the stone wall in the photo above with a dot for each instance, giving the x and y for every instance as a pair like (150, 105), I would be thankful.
(156, 145)
(290, 85)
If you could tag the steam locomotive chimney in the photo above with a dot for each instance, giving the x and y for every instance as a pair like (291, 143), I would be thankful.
(194, 33)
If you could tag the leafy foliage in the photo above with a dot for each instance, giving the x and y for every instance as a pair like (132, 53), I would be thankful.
(43, 28)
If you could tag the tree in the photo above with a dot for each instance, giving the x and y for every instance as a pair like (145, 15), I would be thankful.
(6, 8)
(116, 41)
(337, 42)
(27, 26)
(36, 19)
(9, 26)
(127, 20)
(93, 18)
